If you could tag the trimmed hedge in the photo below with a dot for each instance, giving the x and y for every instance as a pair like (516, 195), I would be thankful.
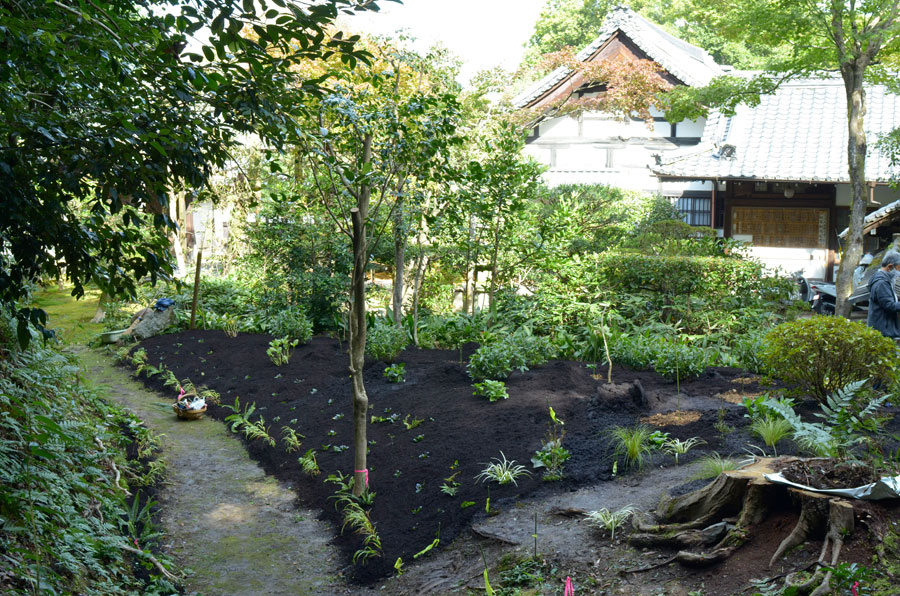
(711, 277)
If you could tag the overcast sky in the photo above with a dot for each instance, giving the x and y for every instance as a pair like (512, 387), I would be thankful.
(483, 33)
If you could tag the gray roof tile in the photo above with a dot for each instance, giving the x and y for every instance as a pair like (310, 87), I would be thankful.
(689, 64)
(798, 133)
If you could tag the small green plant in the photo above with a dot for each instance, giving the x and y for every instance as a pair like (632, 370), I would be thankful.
(385, 341)
(291, 440)
(771, 429)
(503, 471)
(677, 447)
(711, 466)
(450, 486)
(280, 350)
(359, 521)
(610, 520)
(230, 325)
(395, 373)
(493, 390)
(552, 456)
(721, 426)
(308, 463)
(411, 424)
(634, 444)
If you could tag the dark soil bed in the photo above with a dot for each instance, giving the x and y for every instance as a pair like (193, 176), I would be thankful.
(459, 433)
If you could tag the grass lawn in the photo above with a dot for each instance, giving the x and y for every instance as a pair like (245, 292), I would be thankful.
(70, 318)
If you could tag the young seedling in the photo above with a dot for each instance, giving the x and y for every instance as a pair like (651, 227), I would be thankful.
(280, 350)
(395, 373)
(610, 520)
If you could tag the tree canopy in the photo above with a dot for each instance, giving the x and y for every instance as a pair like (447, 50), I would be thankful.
(103, 112)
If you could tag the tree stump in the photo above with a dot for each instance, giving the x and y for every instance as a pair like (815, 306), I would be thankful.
(719, 516)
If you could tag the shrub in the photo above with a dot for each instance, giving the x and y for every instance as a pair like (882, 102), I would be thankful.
(679, 361)
(634, 351)
(292, 323)
(493, 390)
(385, 341)
(514, 352)
(820, 355)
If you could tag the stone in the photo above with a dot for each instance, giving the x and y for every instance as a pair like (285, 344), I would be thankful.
(151, 322)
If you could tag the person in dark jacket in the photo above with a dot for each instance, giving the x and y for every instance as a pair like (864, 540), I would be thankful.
(883, 304)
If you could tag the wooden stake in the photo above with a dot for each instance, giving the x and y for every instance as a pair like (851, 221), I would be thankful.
(196, 286)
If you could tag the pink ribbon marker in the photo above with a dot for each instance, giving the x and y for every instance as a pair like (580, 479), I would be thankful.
(853, 589)
(366, 472)
(180, 395)
(570, 589)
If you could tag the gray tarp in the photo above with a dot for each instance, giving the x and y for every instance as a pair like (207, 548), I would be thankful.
(886, 488)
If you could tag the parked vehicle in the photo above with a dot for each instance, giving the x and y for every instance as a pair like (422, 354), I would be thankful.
(822, 295)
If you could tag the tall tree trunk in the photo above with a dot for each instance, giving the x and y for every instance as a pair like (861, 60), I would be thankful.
(494, 255)
(359, 216)
(856, 156)
(399, 258)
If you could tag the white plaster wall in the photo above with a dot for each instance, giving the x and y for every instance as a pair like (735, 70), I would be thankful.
(810, 261)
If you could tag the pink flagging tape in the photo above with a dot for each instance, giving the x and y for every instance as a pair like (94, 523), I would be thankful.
(180, 395)
(366, 472)
(570, 589)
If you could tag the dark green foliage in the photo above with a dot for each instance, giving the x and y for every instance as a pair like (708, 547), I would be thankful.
(385, 341)
(676, 360)
(291, 323)
(716, 279)
(820, 355)
(517, 351)
(64, 519)
(105, 93)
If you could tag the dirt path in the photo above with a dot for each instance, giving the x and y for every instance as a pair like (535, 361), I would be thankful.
(237, 529)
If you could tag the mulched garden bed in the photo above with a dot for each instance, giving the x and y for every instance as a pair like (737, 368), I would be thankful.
(459, 433)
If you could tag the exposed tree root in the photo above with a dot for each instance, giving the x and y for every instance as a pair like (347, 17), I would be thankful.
(698, 524)
(166, 573)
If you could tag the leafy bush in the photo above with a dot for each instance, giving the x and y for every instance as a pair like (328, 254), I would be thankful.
(291, 323)
(385, 341)
(679, 361)
(513, 352)
(493, 390)
(633, 351)
(820, 355)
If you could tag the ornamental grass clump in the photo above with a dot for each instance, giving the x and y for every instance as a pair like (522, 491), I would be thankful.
(771, 429)
(635, 444)
(503, 471)
(820, 355)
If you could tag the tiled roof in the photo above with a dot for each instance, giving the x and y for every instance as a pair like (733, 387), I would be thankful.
(797, 134)
(689, 64)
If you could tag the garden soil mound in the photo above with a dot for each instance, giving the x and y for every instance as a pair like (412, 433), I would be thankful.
(458, 435)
